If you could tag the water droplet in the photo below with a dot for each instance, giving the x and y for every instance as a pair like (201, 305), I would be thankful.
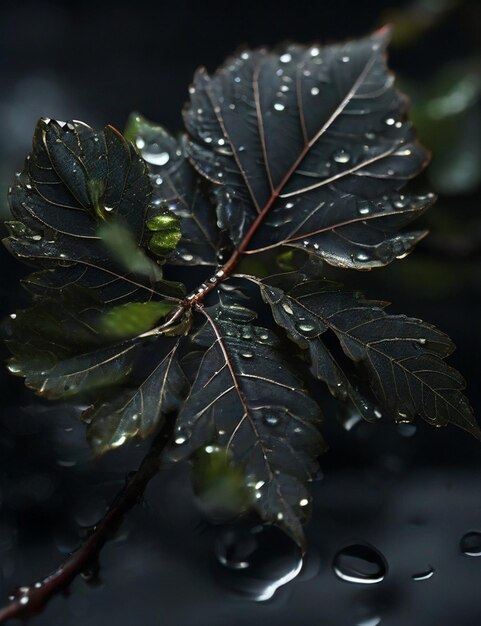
(187, 257)
(287, 308)
(375, 620)
(278, 106)
(285, 58)
(361, 256)
(429, 573)
(363, 208)
(181, 435)
(271, 419)
(118, 442)
(341, 156)
(360, 564)
(315, 91)
(403, 418)
(422, 341)
(307, 329)
(470, 544)
(303, 502)
(155, 158)
(345, 59)
(407, 430)
(13, 316)
(247, 354)
(256, 560)
(390, 121)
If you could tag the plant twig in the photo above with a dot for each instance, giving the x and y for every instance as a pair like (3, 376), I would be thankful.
(28, 601)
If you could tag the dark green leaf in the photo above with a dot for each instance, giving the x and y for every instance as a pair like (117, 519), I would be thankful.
(248, 399)
(75, 180)
(138, 411)
(402, 357)
(315, 143)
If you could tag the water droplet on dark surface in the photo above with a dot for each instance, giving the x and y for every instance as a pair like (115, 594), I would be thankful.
(407, 430)
(360, 564)
(425, 575)
(256, 560)
(369, 621)
(470, 544)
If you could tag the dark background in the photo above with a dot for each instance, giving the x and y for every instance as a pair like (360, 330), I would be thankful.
(412, 497)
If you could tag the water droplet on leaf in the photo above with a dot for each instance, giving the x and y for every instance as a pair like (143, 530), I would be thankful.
(341, 156)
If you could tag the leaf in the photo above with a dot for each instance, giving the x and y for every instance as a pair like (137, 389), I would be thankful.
(177, 188)
(247, 399)
(402, 357)
(60, 349)
(132, 319)
(75, 180)
(309, 147)
(138, 411)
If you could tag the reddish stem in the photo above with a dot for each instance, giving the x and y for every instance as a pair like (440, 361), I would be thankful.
(28, 601)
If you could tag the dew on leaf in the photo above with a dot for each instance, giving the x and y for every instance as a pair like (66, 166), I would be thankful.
(341, 156)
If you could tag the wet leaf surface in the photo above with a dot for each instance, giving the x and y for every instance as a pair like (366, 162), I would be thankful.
(248, 399)
(315, 143)
(402, 357)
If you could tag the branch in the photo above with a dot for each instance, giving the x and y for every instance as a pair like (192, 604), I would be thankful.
(28, 601)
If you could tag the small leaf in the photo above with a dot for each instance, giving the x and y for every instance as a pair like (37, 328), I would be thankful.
(138, 411)
(247, 399)
(309, 147)
(132, 319)
(402, 357)
(77, 180)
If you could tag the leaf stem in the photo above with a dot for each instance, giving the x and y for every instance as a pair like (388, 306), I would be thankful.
(28, 601)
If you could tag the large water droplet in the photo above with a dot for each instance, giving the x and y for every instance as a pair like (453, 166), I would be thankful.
(360, 564)
(315, 91)
(256, 560)
(233, 549)
(470, 544)
(285, 58)
(278, 106)
(341, 156)
(307, 329)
